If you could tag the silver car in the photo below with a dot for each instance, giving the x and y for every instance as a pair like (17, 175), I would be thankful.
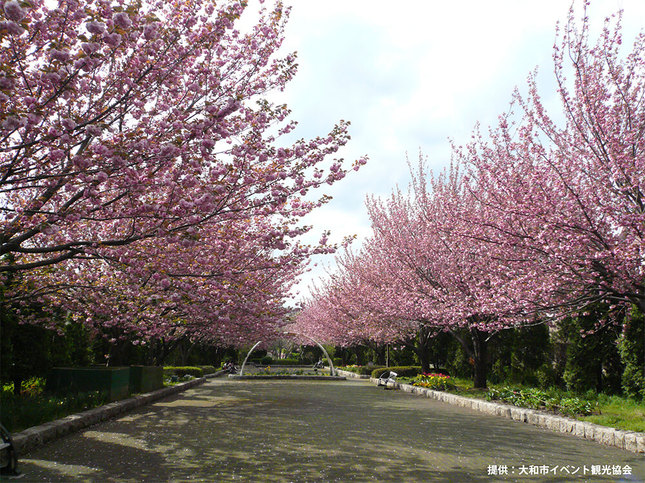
(8, 457)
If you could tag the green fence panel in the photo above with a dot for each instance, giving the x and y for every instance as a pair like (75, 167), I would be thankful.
(145, 378)
(114, 381)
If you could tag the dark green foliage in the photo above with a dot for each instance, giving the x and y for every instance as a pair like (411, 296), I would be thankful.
(519, 354)
(72, 347)
(429, 347)
(631, 347)
(402, 356)
(547, 376)
(343, 355)
(531, 349)
(266, 360)
(458, 361)
(358, 355)
(310, 354)
(259, 353)
(28, 351)
(592, 358)
(21, 412)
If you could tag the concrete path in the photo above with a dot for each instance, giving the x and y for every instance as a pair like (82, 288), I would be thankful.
(228, 430)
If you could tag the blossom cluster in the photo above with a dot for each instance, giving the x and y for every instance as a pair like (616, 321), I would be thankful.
(144, 184)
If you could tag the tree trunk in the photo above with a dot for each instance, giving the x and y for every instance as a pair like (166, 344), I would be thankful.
(478, 352)
(160, 350)
(17, 385)
(379, 350)
(424, 358)
(480, 358)
(379, 353)
(422, 348)
(185, 347)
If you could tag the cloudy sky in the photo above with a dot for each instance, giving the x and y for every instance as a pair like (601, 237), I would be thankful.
(410, 76)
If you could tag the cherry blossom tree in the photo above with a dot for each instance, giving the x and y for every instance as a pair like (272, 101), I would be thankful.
(144, 184)
(129, 121)
(448, 281)
(569, 195)
(539, 217)
(342, 310)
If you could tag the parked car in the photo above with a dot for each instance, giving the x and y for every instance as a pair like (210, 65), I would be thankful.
(8, 457)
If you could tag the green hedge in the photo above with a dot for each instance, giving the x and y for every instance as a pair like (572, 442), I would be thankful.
(401, 371)
(181, 371)
(208, 369)
(287, 362)
(362, 370)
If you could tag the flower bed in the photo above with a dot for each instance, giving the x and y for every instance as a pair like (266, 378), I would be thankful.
(438, 382)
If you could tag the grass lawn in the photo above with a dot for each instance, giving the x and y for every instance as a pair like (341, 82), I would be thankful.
(613, 411)
(619, 412)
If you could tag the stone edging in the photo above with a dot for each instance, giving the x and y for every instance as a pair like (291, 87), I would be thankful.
(626, 440)
(287, 376)
(351, 374)
(38, 435)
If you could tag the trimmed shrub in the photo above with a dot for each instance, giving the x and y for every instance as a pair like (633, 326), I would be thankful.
(352, 368)
(287, 362)
(181, 371)
(401, 371)
(363, 370)
(208, 369)
(266, 360)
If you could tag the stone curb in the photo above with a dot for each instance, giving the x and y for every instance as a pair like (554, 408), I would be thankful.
(627, 440)
(285, 376)
(351, 375)
(214, 374)
(36, 436)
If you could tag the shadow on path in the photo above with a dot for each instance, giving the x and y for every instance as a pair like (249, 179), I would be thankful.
(316, 431)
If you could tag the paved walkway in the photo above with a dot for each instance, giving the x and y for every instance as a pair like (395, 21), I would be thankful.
(319, 431)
